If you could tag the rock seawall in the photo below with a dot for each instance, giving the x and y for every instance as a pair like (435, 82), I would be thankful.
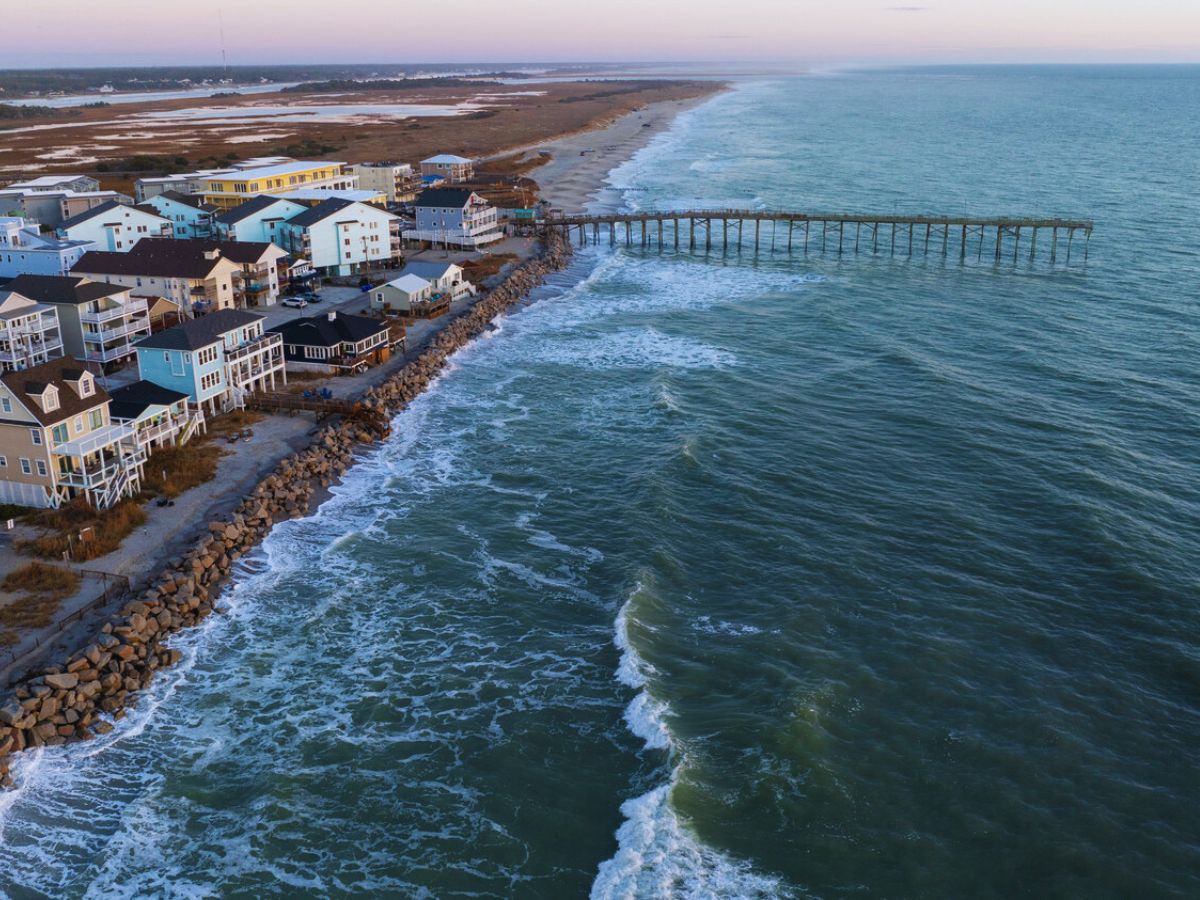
(69, 701)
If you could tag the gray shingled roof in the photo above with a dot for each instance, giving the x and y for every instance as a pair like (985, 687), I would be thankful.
(320, 212)
(195, 334)
(89, 214)
(131, 401)
(445, 198)
(62, 288)
(247, 209)
(319, 331)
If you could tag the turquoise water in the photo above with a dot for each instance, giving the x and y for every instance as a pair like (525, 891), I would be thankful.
(780, 577)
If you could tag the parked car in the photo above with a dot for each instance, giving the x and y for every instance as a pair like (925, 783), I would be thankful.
(293, 302)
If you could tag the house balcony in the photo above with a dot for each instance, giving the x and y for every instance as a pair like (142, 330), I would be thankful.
(106, 438)
(138, 326)
(29, 351)
(135, 307)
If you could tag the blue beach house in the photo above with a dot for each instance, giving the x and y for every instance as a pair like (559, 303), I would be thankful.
(216, 360)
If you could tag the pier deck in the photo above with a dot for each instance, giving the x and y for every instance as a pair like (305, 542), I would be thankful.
(966, 236)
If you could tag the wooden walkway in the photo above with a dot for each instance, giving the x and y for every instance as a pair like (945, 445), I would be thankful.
(276, 402)
(967, 237)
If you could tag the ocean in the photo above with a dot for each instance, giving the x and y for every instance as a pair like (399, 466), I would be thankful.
(787, 576)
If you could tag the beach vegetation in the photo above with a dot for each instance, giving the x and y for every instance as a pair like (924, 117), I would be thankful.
(80, 530)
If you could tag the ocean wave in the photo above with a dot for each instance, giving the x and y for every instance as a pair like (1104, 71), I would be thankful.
(658, 856)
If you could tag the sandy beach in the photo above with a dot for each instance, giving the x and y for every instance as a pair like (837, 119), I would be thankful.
(576, 179)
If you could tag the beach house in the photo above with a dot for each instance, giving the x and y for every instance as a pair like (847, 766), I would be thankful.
(444, 277)
(216, 360)
(396, 181)
(197, 278)
(113, 226)
(80, 184)
(334, 343)
(190, 216)
(24, 250)
(29, 332)
(159, 416)
(50, 208)
(234, 188)
(406, 294)
(450, 167)
(99, 322)
(454, 217)
(342, 237)
(58, 441)
(258, 219)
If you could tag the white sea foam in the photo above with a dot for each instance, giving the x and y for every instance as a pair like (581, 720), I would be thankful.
(658, 856)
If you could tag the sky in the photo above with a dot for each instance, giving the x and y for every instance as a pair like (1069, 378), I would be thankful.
(801, 32)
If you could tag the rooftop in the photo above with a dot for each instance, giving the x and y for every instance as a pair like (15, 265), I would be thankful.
(68, 289)
(133, 400)
(289, 168)
(446, 159)
(33, 381)
(329, 329)
(196, 334)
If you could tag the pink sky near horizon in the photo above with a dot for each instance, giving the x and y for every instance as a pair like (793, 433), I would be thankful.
(162, 32)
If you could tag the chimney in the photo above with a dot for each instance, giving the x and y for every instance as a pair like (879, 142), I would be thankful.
(214, 253)
(331, 315)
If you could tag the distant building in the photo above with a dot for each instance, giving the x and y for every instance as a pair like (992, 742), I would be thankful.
(77, 183)
(53, 207)
(312, 196)
(24, 250)
(341, 237)
(99, 322)
(189, 214)
(192, 274)
(396, 181)
(193, 182)
(458, 218)
(259, 219)
(58, 441)
(229, 190)
(216, 360)
(334, 342)
(114, 226)
(29, 332)
(453, 168)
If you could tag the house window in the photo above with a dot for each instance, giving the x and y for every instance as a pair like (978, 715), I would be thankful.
(3, 462)
(96, 419)
(52, 400)
(36, 435)
(6, 404)
(41, 466)
(206, 356)
(25, 469)
(86, 387)
(59, 433)
(78, 424)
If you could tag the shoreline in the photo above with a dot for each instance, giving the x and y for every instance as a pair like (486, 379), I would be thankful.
(576, 179)
(72, 701)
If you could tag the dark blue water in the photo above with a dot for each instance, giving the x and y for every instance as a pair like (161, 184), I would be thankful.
(788, 576)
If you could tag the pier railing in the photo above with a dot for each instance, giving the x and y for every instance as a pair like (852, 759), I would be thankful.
(965, 236)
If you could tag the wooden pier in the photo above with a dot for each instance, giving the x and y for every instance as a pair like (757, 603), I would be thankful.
(995, 239)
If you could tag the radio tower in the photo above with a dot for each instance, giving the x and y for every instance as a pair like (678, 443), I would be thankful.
(221, 27)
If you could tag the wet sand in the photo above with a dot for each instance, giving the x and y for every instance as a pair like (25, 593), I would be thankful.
(575, 180)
